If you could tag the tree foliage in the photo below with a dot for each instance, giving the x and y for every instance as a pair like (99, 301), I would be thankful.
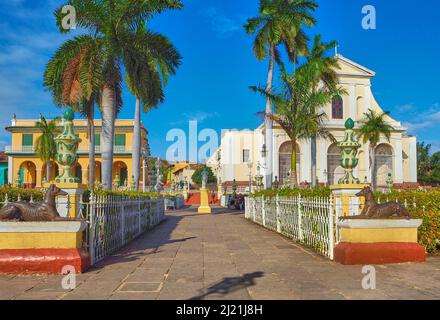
(197, 175)
(428, 166)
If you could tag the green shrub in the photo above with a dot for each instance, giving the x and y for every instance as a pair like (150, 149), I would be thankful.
(25, 194)
(289, 192)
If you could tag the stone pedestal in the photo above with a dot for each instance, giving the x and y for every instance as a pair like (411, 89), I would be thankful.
(204, 202)
(346, 202)
(378, 242)
(69, 206)
(42, 247)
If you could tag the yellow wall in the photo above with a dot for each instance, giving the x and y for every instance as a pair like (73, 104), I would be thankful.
(35, 175)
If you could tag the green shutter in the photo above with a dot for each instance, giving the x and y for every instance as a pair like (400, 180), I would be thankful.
(120, 140)
(27, 140)
(97, 139)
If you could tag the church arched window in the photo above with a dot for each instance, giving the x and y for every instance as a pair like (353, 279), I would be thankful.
(337, 108)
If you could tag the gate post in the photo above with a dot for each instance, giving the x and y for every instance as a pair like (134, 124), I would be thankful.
(331, 233)
(277, 201)
(263, 211)
(300, 227)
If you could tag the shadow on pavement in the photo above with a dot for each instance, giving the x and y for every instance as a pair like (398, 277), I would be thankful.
(151, 239)
(229, 285)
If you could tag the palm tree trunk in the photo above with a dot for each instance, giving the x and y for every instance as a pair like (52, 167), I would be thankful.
(268, 123)
(373, 166)
(293, 172)
(313, 150)
(108, 135)
(48, 171)
(91, 128)
(136, 152)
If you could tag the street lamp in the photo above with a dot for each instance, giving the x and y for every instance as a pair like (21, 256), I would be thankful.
(249, 164)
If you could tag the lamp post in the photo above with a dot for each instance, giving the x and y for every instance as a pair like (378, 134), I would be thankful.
(249, 164)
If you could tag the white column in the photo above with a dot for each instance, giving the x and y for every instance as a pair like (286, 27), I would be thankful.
(352, 97)
(306, 162)
(412, 160)
(367, 98)
(10, 170)
(322, 160)
(398, 161)
(367, 161)
(276, 158)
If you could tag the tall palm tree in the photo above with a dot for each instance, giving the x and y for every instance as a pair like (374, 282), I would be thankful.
(325, 68)
(111, 45)
(163, 59)
(297, 107)
(74, 77)
(279, 22)
(45, 146)
(372, 127)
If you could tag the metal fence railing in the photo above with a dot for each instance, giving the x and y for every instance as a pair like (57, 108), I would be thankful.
(309, 221)
(114, 221)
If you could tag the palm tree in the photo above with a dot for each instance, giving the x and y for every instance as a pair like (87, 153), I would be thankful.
(279, 22)
(45, 146)
(297, 107)
(74, 77)
(96, 60)
(325, 68)
(163, 61)
(372, 127)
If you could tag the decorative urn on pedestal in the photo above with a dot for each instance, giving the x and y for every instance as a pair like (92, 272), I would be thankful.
(349, 150)
(67, 146)
(346, 201)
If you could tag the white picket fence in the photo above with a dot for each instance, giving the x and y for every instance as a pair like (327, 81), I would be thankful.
(114, 221)
(309, 221)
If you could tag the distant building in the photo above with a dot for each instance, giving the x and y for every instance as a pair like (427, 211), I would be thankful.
(239, 148)
(23, 161)
(3, 169)
(183, 171)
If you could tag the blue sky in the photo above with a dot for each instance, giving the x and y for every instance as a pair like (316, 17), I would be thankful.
(218, 64)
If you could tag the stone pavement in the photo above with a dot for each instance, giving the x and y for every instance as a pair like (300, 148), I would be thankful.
(224, 256)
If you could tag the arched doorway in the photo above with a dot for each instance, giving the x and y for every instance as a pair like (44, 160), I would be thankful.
(97, 172)
(77, 172)
(384, 163)
(285, 160)
(334, 169)
(54, 171)
(28, 175)
(122, 170)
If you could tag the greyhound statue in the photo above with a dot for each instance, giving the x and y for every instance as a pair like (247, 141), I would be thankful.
(43, 211)
(372, 210)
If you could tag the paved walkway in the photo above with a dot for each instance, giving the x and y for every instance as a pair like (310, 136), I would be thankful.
(224, 256)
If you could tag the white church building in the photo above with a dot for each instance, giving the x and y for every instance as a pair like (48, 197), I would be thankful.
(240, 153)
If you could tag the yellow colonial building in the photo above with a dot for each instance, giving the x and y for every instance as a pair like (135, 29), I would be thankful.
(24, 163)
(241, 150)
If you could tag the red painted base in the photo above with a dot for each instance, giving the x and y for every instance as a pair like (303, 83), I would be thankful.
(24, 261)
(378, 253)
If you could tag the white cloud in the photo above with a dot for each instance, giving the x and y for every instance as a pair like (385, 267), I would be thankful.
(220, 23)
(198, 116)
(425, 120)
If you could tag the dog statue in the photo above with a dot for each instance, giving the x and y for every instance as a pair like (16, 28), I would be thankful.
(373, 210)
(43, 211)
